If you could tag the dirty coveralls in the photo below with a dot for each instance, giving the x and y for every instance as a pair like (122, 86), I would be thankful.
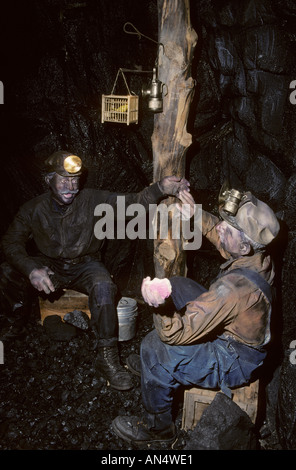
(212, 338)
(66, 243)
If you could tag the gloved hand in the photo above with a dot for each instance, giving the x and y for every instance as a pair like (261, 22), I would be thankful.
(156, 291)
(171, 185)
(40, 279)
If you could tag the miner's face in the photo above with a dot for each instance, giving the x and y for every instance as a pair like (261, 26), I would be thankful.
(231, 240)
(64, 188)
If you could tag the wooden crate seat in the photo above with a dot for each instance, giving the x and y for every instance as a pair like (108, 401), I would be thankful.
(197, 399)
(70, 300)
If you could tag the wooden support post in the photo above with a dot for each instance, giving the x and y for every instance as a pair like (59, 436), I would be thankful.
(170, 139)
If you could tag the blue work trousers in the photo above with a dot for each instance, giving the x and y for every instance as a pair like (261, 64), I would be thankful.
(222, 363)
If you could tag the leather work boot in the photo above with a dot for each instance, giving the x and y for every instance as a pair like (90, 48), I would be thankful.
(134, 431)
(108, 365)
(133, 363)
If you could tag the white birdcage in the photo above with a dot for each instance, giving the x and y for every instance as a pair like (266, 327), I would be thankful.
(120, 108)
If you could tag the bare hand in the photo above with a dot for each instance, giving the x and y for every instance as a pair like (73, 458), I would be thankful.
(172, 185)
(40, 279)
(187, 208)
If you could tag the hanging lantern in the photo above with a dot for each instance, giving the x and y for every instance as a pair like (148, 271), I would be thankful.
(154, 94)
(120, 108)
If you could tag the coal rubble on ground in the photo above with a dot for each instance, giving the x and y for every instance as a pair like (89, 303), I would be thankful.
(51, 397)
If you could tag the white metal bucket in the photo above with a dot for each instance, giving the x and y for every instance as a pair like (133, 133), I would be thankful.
(127, 312)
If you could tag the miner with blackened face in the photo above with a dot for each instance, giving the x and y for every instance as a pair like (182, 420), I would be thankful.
(61, 224)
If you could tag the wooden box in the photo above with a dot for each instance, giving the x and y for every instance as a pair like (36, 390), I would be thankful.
(70, 300)
(120, 108)
(197, 399)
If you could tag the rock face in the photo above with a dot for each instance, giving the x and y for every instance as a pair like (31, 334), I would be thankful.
(244, 126)
(60, 57)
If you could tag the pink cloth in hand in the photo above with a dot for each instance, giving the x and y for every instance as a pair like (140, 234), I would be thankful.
(156, 291)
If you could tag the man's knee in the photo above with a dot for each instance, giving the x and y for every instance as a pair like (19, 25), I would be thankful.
(148, 340)
(103, 292)
(184, 290)
(14, 287)
(153, 350)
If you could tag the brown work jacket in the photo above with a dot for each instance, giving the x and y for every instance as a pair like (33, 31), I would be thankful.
(233, 304)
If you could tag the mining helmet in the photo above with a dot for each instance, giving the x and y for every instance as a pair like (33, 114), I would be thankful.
(64, 164)
(248, 214)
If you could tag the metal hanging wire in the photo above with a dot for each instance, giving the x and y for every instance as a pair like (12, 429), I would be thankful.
(123, 76)
(139, 34)
(121, 70)
(124, 109)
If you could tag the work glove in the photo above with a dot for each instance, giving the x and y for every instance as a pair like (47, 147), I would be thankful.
(156, 291)
(40, 279)
(171, 185)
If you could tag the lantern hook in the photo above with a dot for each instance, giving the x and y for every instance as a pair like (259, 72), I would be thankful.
(139, 34)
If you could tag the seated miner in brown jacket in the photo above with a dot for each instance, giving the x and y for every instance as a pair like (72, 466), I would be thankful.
(62, 224)
(212, 338)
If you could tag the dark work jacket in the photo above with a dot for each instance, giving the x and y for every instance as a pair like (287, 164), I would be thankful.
(67, 234)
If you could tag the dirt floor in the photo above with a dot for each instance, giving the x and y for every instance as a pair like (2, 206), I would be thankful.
(52, 399)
